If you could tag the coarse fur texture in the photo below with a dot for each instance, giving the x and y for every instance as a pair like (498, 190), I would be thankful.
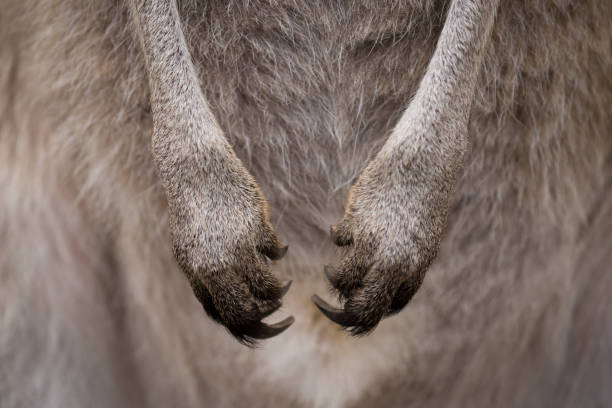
(219, 222)
(94, 310)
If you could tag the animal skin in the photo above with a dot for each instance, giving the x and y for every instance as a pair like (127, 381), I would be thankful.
(139, 139)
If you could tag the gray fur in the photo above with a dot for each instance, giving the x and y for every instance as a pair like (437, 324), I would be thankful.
(95, 311)
(397, 209)
(219, 220)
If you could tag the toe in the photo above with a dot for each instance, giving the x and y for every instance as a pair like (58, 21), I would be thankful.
(341, 233)
(405, 292)
(270, 244)
(348, 276)
(205, 298)
(261, 282)
(367, 305)
(370, 303)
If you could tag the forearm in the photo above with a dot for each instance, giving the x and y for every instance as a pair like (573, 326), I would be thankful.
(183, 125)
(440, 110)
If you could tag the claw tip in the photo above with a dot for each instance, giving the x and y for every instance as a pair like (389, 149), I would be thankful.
(338, 316)
(285, 288)
(329, 273)
(264, 331)
(284, 250)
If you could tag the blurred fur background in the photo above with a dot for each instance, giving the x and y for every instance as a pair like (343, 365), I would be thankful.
(95, 312)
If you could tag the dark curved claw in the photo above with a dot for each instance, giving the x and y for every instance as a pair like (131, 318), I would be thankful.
(275, 253)
(283, 251)
(285, 288)
(262, 331)
(329, 273)
(334, 314)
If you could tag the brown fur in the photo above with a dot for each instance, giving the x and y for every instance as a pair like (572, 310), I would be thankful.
(513, 312)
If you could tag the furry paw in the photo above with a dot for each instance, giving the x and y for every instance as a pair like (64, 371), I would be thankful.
(223, 241)
(390, 233)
